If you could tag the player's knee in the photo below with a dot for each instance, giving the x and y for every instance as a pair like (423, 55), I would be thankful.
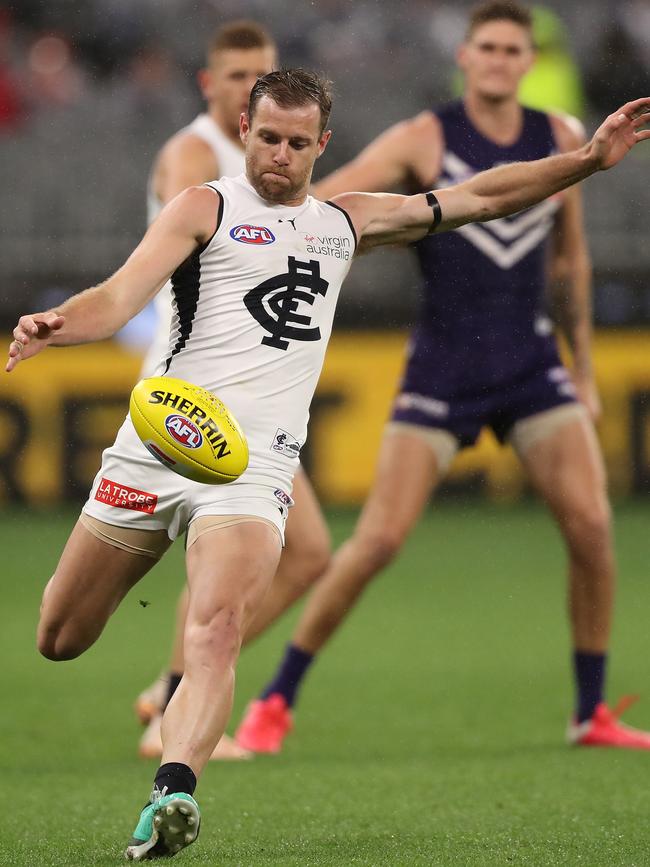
(57, 644)
(589, 528)
(315, 558)
(377, 547)
(214, 639)
(305, 560)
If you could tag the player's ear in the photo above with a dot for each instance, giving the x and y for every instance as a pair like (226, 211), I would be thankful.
(244, 126)
(461, 56)
(204, 79)
(532, 58)
(326, 135)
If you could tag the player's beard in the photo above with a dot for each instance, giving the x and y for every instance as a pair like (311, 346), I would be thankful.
(274, 186)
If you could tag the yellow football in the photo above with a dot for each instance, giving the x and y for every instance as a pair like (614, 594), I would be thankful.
(189, 430)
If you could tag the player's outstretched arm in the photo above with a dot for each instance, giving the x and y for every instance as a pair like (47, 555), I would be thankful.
(508, 189)
(389, 219)
(189, 220)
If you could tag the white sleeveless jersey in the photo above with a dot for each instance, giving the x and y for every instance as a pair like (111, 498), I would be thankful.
(231, 162)
(253, 314)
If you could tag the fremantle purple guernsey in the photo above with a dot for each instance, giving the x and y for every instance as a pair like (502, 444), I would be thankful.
(483, 337)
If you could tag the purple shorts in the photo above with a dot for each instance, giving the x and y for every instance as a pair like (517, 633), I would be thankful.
(500, 408)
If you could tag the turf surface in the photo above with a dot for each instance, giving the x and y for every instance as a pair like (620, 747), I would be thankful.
(430, 733)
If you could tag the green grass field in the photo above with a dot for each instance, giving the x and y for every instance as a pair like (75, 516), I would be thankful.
(430, 732)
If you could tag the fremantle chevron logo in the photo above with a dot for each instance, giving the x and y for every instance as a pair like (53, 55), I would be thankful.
(184, 431)
(258, 235)
(507, 240)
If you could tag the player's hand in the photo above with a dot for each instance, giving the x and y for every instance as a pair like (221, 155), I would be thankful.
(587, 394)
(620, 132)
(32, 334)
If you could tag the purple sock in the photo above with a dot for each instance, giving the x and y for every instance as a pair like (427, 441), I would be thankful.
(290, 674)
(590, 677)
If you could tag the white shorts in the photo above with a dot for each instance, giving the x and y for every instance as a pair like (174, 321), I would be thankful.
(132, 489)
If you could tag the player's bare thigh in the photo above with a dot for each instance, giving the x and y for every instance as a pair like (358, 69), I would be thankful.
(412, 460)
(306, 535)
(560, 452)
(99, 565)
(229, 569)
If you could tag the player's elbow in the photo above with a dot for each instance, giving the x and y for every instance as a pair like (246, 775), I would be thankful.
(570, 268)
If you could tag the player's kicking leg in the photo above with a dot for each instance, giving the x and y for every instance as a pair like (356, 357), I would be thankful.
(229, 571)
(565, 465)
(304, 558)
(99, 565)
(90, 581)
(411, 461)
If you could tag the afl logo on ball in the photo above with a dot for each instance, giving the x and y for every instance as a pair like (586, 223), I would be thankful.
(258, 235)
(184, 431)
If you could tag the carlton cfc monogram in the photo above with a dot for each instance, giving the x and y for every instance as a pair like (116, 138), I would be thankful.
(278, 314)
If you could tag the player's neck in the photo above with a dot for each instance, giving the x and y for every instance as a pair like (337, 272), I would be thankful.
(231, 133)
(501, 121)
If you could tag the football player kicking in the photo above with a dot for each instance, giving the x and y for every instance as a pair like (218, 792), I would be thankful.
(210, 147)
(254, 322)
(483, 354)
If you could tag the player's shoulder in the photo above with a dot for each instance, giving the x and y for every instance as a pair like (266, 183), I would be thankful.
(196, 211)
(196, 203)
(568, 131)
(421, 129)
(186, 146)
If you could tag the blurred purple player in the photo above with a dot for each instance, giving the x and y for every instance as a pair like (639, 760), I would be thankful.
(482, 355)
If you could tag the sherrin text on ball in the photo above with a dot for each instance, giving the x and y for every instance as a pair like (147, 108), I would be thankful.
(189, 430)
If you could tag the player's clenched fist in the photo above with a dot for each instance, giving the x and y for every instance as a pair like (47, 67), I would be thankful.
(33, 333)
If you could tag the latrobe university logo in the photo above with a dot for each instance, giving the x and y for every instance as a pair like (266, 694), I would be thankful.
(122, 496)
(256, 235)
(275, 303)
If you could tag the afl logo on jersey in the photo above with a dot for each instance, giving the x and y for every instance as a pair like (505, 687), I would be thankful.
(184, 431)
(258, 235)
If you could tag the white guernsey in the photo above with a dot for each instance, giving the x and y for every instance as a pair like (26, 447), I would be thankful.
(252, 316)
(229, 157)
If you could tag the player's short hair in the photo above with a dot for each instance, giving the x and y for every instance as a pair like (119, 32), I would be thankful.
(499, 10)
(242, 34)
(291, 88)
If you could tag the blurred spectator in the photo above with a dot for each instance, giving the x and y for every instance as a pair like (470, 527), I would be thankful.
(152, 96)
(554, 82)
(119, 76)
(54, 77)
(12, 102)
(617, 70)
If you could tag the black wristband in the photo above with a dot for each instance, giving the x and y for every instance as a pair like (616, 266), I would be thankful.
(437, 213)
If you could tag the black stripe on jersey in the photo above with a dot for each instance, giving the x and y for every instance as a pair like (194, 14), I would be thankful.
(220, 211)
(347, 217)
(186, 281)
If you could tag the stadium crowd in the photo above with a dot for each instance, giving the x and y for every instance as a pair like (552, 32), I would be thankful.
(102, 85)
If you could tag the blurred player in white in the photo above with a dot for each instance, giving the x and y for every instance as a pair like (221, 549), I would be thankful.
(255, 306)
(483, 354)
(210, 147)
